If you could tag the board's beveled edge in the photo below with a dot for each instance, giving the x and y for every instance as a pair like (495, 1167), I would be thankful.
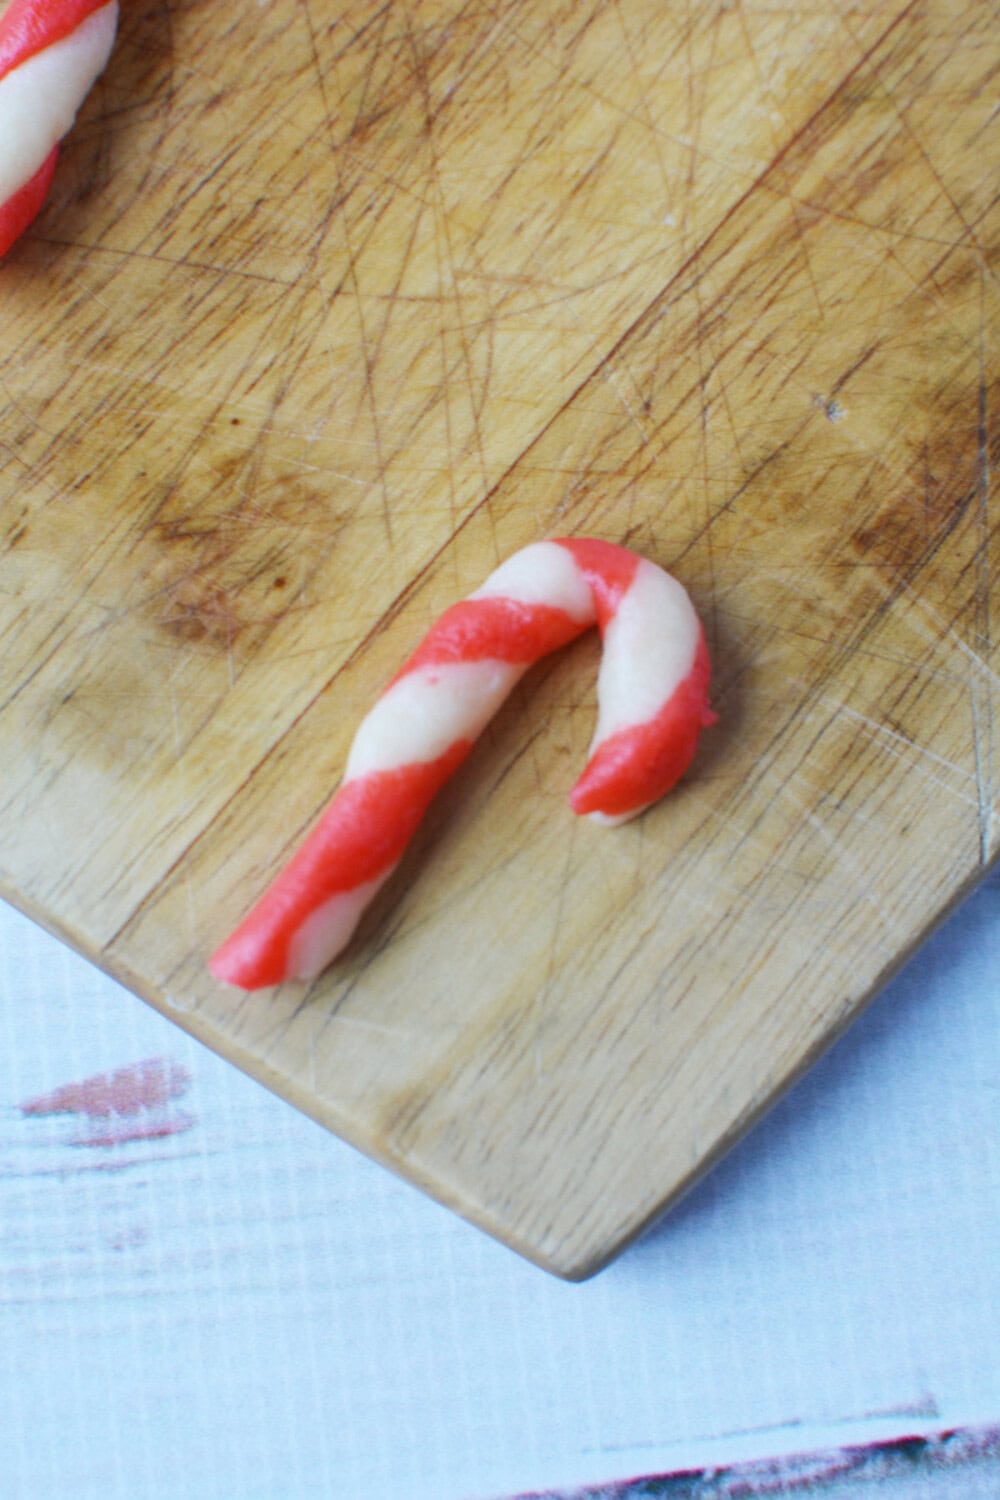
(588, 1260)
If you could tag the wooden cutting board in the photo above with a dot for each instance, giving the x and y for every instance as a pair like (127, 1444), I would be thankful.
(335, 306)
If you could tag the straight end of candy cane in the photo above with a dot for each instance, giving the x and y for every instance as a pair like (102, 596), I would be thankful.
(308, 915)
(269, 948)
(247, 963)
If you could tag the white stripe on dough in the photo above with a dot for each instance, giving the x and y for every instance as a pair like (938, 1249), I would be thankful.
(421, 716)
(327, 929)
(542, 573)
(649, 648)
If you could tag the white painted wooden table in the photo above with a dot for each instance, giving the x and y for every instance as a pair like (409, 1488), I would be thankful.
(210, 1298)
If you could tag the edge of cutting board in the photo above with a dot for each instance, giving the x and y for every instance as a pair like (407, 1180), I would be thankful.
(573, 1272)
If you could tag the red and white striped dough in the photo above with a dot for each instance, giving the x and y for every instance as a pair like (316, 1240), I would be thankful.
(652, 706)
(51, 51)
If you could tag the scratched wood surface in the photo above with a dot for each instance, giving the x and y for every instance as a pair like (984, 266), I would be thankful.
(331, 310)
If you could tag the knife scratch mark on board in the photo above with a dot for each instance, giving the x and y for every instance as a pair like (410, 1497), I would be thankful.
(882, 732)
(353, 277)
(857, 875)
(944, 630)
(983, 781)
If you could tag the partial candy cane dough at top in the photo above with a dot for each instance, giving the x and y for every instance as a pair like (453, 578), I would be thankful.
(50, 56)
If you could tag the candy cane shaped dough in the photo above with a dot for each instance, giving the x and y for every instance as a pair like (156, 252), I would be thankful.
(51, 51)
(652, 705)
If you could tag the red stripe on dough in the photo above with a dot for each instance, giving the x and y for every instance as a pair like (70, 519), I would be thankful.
(363, 833)
(494, 629)
(609, 570)
(24, 205)
(634, 767)
(29, 26)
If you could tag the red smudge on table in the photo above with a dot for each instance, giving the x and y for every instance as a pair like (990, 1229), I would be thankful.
(128, 1104)
(120, 1132)
(126, 1091)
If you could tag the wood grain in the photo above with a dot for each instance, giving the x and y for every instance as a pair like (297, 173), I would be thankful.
(327, 314)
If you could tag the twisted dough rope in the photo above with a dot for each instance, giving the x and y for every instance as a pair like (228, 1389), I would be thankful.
(51, 51)
(652, 705)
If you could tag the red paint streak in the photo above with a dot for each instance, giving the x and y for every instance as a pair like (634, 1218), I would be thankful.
(142, 1085)
(120, 1132)
(108, 1164)
(130, 1104)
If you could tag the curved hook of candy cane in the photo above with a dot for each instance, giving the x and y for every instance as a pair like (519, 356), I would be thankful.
(51, 52)
(652, 705)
